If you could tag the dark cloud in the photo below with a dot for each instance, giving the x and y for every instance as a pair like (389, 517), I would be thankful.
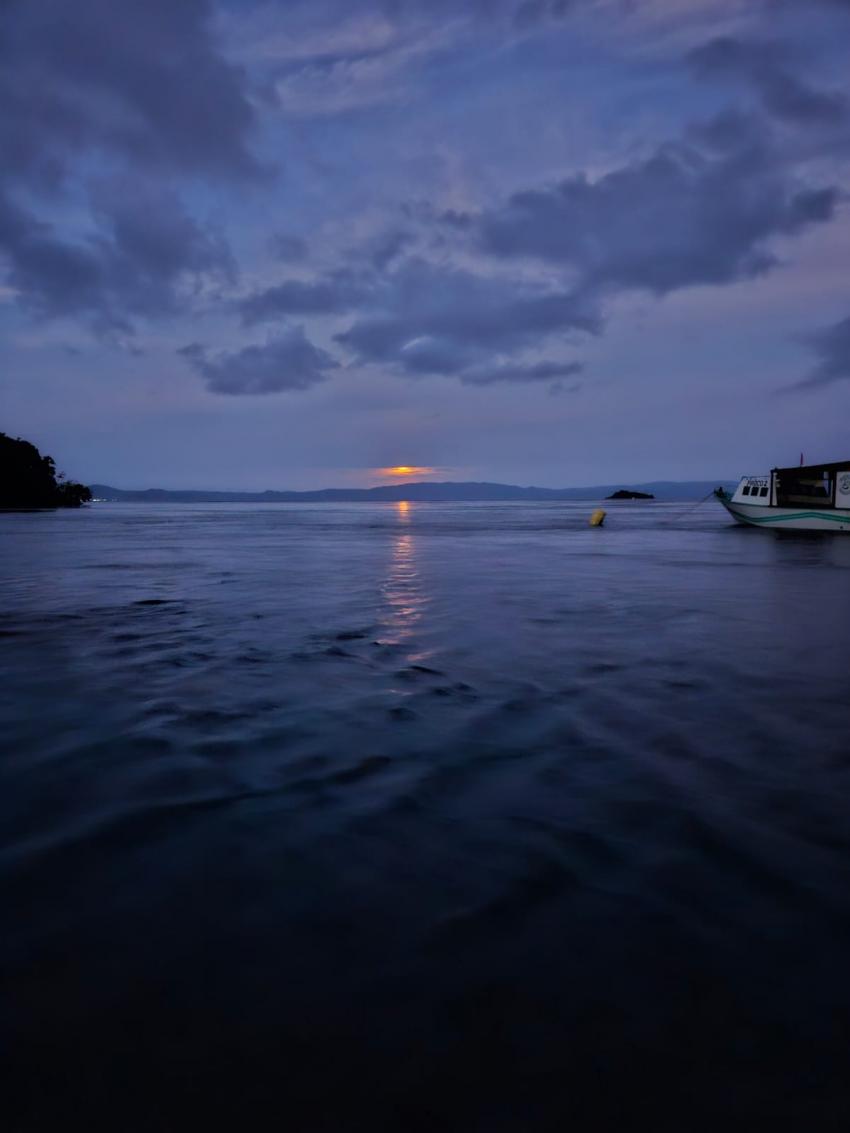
(482, 9)
(728, 131)
(287, 247)
(517, 373)
(679, 218)
(788, 97)
(529, 13)
(387, 247)
(422, 354)
(144, 255)
(436, 319)
(155, 238)
(54, 277)
(522, 13)
(355, 56)
(832, 348)
(335, 293)
(806, 5)
(696, 212)
(434, 356)
(765, 66)
(141, 91)
(143, 81)
(288, 362)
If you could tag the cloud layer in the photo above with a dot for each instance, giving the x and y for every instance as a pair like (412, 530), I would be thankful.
(677, 219)
(105, 114)
(831, 345)
(143, 81)
(167, 163)
(288, 362)
(766, 66)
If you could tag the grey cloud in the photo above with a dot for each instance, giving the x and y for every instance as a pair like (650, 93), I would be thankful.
(725, 55)
(288, 362)
(145, 251)
(139, 89)
(485, 375)
(806, 4)
(52, 276)
(677, 219)
(432, 354)
(832, 348)
(155, 235)
(284, 246)
(765, 66)
(788, 97)
(343, 63)
(337, 292)
(144, 81)
(728, 131)
(362, 70)
(387, 247)
(458, 314)
(529, 13)
(429, 319)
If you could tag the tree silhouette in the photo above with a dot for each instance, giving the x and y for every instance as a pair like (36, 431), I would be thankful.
(29, 480)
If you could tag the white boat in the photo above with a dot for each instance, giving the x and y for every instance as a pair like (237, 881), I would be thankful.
(812, 497)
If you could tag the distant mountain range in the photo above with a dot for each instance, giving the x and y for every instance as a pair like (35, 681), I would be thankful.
(423, 491)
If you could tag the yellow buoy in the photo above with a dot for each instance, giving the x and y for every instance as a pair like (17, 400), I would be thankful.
(598, 518)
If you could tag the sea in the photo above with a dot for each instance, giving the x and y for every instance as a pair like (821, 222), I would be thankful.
(414, 816)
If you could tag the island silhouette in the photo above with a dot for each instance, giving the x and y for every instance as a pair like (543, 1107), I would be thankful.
(30, 480)
(425, 491)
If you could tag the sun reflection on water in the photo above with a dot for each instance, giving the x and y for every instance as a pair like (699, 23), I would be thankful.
(402, 588)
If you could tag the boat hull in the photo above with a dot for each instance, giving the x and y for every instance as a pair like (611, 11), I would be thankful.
(790, 518)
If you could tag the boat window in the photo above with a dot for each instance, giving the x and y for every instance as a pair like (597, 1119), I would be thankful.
(806, 488)
(746, 491)
(763, 490)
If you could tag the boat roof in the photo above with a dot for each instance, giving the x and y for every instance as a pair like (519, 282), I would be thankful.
(835, 466)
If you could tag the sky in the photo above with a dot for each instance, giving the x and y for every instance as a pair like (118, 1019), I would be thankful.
(299, 244)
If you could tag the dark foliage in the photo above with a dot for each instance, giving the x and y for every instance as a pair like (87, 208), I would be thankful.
(28, 479)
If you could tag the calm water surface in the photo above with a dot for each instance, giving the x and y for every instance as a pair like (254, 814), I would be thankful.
(423, 817)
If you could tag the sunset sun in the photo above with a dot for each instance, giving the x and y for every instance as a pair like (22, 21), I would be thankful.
(406, 470)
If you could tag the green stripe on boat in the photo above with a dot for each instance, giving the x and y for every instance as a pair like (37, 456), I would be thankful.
(785, 518)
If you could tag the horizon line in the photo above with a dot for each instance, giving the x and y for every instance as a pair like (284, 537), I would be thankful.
(402, 485)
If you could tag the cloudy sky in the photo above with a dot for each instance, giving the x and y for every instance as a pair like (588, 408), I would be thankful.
(287, 243)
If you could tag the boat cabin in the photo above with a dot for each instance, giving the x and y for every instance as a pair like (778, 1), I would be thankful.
(809, 487)
(814, 486)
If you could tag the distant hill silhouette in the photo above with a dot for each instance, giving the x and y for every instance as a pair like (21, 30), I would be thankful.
(423, 491)
(29, 480)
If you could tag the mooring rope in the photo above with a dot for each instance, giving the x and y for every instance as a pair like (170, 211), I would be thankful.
(692, 507)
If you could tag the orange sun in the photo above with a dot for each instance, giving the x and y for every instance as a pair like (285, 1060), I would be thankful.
(406, 470)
